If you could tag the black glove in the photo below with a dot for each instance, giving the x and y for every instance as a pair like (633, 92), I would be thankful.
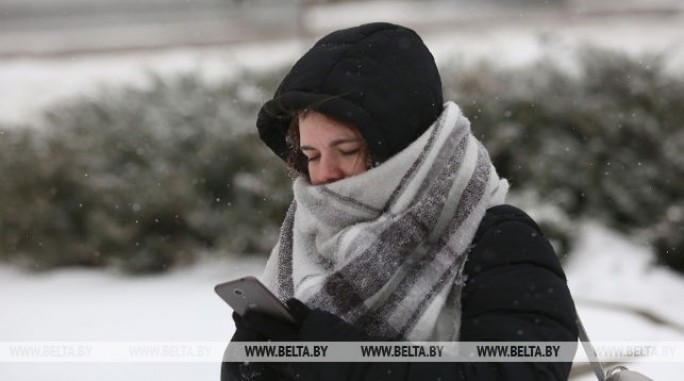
(276, 329)
(309, 325)
(243, 371)
(257, 326)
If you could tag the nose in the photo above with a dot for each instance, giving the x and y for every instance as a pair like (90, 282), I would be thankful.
(329, 171)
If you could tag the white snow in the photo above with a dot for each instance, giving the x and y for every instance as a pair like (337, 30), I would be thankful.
(642, 283)
(103, 306)
(30, 85)
(100, 305)
(466, 34)
(610, 277)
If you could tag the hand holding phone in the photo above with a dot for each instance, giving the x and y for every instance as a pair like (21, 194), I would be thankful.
(249, 293)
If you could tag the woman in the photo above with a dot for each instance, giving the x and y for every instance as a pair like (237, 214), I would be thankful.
(398, 228)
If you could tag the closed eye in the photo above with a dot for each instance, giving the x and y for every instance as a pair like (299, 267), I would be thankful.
(351, 152)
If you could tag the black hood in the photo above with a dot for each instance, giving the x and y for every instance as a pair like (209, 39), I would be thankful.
(378, 77)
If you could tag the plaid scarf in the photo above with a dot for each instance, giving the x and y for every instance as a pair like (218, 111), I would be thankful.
(384, 250)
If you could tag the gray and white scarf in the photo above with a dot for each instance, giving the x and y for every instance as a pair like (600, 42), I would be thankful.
(385, 249)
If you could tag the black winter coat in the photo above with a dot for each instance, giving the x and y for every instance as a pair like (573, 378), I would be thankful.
(516, 291)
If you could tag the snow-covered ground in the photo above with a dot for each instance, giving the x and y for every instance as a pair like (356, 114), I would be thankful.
(622, 296)
(103, 306)
(465, 35)
(29, 85)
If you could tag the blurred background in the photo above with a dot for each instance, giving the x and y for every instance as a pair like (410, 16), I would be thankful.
(132, 180)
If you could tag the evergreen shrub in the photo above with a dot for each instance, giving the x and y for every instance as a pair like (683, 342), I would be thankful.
(147, 178)
(603, 141)
(142, 179)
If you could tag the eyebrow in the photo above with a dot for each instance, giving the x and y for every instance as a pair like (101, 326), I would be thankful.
(334, 143)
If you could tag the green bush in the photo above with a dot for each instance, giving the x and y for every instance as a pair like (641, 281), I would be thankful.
(142, 179)
(604, 141)
(148, 178)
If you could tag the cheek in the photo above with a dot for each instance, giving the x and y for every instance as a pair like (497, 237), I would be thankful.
(356, 165)
(315, 174)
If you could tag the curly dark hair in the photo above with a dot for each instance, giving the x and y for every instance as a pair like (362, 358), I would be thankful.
(297, 162)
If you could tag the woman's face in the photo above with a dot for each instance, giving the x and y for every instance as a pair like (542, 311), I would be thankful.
(334, 150)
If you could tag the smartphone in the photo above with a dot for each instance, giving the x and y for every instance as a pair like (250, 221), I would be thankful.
(249, 293)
